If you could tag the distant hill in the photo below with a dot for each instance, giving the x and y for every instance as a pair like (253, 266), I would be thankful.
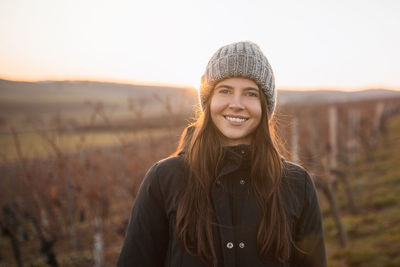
(331, 96)
(78, 91)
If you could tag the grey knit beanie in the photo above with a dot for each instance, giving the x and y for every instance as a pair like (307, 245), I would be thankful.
(241, 59)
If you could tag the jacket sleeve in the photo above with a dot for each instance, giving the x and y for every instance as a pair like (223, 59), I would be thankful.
(309, 237)
(146, 240)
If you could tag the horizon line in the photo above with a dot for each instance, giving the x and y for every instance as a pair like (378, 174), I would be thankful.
(98, 80)
(183, 86)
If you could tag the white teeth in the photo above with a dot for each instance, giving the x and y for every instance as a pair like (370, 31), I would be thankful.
(235, 119)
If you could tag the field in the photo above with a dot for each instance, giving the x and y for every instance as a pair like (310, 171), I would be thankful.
(34, 144)
(373, 233)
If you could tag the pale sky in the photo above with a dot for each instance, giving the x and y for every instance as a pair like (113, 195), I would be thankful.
(344, 44)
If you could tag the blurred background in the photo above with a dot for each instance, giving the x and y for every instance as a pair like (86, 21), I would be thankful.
(93, 93)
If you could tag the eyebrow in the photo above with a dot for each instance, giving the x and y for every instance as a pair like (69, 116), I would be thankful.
(231, 87)
(251, 88)
(224, 86)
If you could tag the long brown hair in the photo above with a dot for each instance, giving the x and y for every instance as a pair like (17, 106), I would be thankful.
(202, 153)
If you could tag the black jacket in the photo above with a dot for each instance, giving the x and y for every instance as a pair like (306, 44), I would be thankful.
(151, 241)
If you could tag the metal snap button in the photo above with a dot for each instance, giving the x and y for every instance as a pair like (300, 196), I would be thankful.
(229, 245)
(241, 245)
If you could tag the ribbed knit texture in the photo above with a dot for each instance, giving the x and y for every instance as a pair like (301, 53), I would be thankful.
(241, 59)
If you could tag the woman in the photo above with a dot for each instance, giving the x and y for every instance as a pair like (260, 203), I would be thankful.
(227, 198)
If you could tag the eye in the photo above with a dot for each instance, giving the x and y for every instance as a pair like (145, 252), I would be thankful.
(223, 91)
(252, 94)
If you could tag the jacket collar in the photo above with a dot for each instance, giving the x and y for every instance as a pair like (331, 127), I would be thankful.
(234, 157)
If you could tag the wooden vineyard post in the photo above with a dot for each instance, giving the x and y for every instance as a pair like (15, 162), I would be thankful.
(98, 245)
(333, 144)
(333, 129)
(377, 123)
(353, 144)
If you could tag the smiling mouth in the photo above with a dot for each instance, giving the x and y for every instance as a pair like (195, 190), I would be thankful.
(235, 119)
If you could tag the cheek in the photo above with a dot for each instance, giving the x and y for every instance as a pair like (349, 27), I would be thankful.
(213, 110)
(216, 105)
(259, 113)
(256, 110)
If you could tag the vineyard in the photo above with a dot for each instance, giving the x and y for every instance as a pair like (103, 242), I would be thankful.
(69, 206)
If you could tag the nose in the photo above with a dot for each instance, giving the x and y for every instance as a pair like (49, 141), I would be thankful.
(236, 102)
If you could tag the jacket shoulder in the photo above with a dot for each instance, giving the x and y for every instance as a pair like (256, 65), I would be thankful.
(170, 164)
(295, 173)
(167, 174)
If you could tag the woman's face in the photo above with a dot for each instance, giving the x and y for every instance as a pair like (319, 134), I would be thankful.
(236, 109)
